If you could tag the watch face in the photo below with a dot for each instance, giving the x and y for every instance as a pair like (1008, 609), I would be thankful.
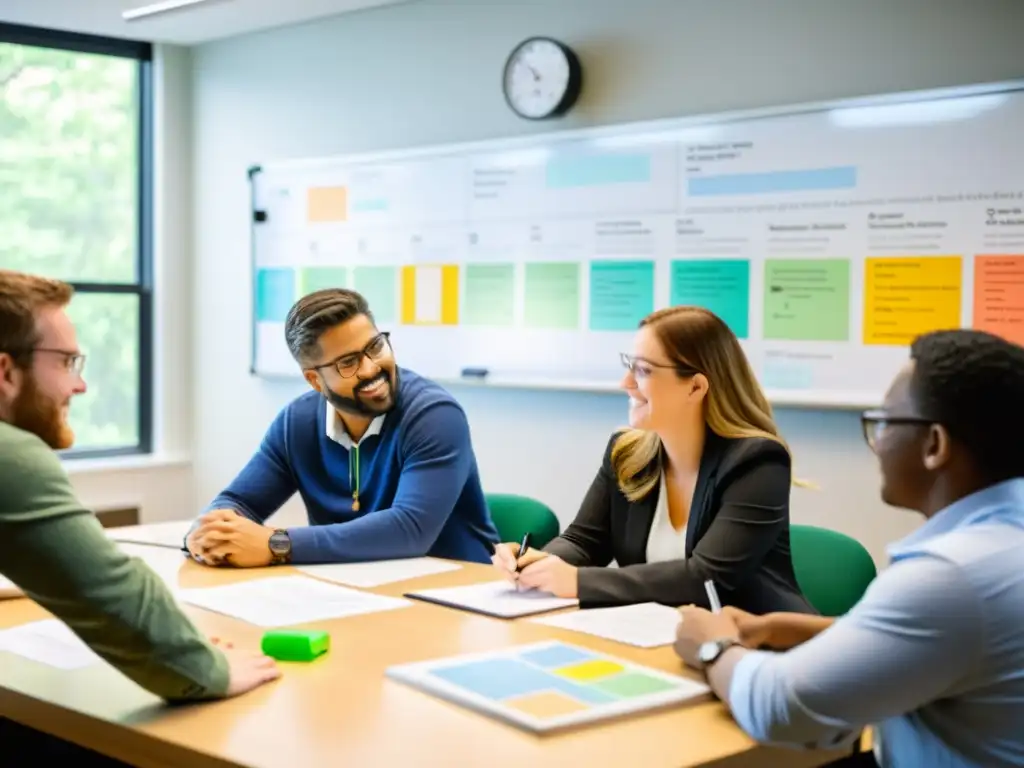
(537, 78)
(280, 543)
(708, 651)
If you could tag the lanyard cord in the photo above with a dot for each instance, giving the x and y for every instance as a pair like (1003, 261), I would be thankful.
(354, 455)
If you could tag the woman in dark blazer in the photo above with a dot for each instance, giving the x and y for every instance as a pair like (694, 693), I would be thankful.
(696, 489)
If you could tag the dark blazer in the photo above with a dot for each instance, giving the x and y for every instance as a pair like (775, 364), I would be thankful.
(737, 535)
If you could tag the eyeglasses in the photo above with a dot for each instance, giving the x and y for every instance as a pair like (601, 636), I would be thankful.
(873, 422)
(641, 368)
(73, 361)
(348, 364)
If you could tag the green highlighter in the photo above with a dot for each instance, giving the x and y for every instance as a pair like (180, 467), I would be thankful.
(295, 644)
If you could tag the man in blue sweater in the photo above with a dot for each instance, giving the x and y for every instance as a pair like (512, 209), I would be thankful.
(381, 457)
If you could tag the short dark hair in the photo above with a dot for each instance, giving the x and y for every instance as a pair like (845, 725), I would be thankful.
(972, 383)
(22, 297)
(316, 313)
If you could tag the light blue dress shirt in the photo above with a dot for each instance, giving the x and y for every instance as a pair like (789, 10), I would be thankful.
(933, 655)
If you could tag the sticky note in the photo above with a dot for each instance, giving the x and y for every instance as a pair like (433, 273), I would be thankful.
(552, 295)
(430, 294)
(275, 294)
(378, 285)
(719, 285)
(489, 295)
(905, 296)
(999, 296)
(807, 299)
(621, 294)
(326, 204)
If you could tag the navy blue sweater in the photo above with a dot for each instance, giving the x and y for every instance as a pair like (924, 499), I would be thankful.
(419, 491)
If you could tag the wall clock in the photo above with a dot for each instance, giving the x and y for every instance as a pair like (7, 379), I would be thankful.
(542, 78)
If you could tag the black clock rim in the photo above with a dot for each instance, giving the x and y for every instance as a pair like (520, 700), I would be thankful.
(572, 88)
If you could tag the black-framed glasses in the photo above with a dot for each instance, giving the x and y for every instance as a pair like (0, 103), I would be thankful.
(348, 364)
(73, 361)
(873, 422)
(641, 368)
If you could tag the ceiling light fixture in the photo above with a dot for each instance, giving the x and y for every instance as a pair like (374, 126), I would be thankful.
(133, 14)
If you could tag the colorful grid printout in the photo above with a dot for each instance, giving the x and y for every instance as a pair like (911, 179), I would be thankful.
(547, 686)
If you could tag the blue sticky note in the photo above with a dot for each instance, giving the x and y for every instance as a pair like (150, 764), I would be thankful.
(556, 656)
(275, 294)
(621, 294)
(507, 678)
(719, 285)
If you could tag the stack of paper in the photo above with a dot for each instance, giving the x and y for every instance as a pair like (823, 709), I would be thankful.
(48, 642)
(495, 598)
(379, 572)
(646, 625)
(287, 600)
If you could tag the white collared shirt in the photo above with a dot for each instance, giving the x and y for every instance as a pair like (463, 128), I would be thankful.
(337, 432)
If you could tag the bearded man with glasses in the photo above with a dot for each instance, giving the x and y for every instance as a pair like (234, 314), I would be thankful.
(381, 457)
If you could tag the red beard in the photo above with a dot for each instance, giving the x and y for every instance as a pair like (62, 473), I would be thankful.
(36, 413)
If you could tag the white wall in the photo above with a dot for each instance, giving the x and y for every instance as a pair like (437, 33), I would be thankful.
(429, 72)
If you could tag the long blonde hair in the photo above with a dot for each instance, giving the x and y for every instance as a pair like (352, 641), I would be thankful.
(735, 405)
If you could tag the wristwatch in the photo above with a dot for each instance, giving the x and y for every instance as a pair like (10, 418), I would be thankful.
(280, 547)
(712, 650)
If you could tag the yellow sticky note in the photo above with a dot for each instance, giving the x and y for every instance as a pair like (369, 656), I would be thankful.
(590, 670)
(430, 294)
(326, 204)
(905, 296)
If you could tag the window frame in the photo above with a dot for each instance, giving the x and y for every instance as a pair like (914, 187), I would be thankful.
(142, 53)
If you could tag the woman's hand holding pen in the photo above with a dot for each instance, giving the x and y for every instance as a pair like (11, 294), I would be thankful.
(506, 559)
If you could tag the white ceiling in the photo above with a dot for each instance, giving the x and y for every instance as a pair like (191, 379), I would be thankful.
(209, 20)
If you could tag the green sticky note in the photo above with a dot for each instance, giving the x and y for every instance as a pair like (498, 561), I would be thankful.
(489, 296)
(379, 286)
(719, 285)
(295, 644)
(632, 684)
(807, 299)
(621, 294)
(552, 295)
(317, 278)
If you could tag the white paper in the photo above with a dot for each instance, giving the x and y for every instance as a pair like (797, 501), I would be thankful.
(379, 572)
(48, 642)
(497, 598)
(287, 600)
(647, 625)
(169, 534)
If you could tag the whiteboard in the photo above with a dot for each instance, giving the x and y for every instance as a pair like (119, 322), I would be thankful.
(827, 236)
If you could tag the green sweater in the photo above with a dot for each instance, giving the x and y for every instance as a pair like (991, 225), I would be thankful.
(55, 550)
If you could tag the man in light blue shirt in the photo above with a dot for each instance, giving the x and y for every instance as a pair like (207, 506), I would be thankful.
(933, 655)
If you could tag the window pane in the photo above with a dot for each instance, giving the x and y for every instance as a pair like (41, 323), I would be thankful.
(106, 416)
(68, 164)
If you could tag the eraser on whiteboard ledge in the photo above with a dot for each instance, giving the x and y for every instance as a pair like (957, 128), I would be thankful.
(474, 373)
(295, 644)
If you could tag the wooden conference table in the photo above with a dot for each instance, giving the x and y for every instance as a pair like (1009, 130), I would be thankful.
(341, 710)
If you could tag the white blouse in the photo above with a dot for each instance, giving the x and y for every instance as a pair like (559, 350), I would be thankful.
(664, 542)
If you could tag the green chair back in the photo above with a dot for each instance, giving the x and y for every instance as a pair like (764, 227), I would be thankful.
(516, 515)
(832, 569)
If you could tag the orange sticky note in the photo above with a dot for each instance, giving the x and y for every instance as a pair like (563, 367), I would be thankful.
(999, 296)
(326, 204)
